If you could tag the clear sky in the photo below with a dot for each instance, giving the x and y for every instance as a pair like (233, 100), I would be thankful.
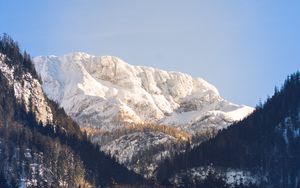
(243, 47)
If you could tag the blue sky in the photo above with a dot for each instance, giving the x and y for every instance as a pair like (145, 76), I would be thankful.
(244, 48)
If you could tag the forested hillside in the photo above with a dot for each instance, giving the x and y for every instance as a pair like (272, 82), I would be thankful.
(45, 151)
(265, 146)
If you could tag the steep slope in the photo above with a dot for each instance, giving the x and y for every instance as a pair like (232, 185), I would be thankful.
(116, 103)
(40, 146)
(263, 149)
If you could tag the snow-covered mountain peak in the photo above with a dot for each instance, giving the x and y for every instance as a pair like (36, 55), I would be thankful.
(105, 86)
(116, 103)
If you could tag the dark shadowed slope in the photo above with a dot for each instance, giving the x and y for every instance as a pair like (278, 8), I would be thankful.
(266, 144)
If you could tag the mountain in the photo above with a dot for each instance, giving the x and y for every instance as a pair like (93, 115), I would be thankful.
(260, 151)
(137, 114)
(40, 146)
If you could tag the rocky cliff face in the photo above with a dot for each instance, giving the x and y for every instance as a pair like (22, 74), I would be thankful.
(27, 90)
(124, 107)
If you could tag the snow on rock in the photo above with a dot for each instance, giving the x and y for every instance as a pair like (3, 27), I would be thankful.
(105, 94)
(140, 151)
(6, 71)
(29, 91)
(146, 139)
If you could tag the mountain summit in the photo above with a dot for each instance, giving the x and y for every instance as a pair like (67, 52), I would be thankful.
(116, 102)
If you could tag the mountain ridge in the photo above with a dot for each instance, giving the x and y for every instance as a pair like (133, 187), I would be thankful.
(135, 78)
(129, 99)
